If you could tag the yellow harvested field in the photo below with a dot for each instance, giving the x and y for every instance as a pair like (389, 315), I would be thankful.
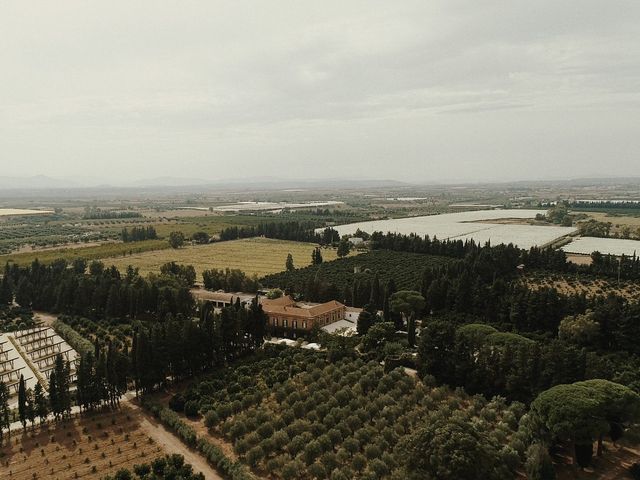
(259, 256)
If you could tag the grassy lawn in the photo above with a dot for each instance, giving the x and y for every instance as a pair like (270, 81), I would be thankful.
(259, 256)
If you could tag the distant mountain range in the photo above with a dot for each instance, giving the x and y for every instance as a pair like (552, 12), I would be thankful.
(43, 182)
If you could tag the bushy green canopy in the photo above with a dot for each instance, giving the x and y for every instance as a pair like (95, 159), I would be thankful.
(580, 411)
(407, 301)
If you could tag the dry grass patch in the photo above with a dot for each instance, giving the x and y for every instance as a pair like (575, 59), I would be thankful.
(259, 256)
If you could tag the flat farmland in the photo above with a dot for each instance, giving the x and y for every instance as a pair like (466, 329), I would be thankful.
(89, 447)
(95, 252)
(259, 256)
(590, 286)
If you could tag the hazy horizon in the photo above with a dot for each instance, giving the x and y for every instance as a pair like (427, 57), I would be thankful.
(437, 92)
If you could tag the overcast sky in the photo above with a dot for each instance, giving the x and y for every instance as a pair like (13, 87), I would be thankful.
(410, 90)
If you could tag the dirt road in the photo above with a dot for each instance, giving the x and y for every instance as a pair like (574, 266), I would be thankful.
(169, 441)
(47, 319)
(172, 444)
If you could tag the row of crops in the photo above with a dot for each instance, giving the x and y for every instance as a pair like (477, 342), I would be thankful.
(37, 235)
(404, 268)
(296, 415)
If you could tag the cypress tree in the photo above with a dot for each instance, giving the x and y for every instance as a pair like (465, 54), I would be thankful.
(22, 402)
(289, 266)
(40, 403)
(374, 298)
(386, 310)
(411, 330)
(54, 402)
(6, 293)
(4, 410)
(31, 407)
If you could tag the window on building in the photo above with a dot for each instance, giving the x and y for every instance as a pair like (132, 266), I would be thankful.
(275, 322)
(304, 324)
(285, 323)
(295, 324)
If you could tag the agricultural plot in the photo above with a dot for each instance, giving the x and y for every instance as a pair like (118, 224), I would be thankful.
(12, 365)
(6, 212)
(591, 287)
(473, 225)
(89, 447)
(296, 415)
(404, 268)
(613, 246)
(88, 253)
(254, 256)
(32, 354)
(35, 235)
(273, 206)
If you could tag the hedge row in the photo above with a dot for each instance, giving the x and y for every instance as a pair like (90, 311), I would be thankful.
(73, 338)
(214, 455)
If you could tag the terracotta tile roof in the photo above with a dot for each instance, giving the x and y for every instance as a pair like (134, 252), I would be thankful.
(284, 301)
(286, 306)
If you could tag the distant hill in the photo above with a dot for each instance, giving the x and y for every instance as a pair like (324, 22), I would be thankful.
(42, 182)
(36, 182)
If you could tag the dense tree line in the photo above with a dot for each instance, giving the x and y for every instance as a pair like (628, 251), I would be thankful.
(184, 347)
(484, 360)
(229, 280)
(96, 213)
(96, 291)
(301, 231)
(608, 205)
(138, 234)
(102, 377)
(624, 267)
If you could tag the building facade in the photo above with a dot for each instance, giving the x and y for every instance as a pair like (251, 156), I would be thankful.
(290, 319)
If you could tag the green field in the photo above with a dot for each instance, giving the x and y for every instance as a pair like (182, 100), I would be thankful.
(254, 256)
(88, 253)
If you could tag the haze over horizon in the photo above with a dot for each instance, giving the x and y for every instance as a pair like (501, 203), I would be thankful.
(442, 91)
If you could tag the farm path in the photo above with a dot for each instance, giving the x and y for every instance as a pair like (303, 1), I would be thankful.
(46, 318)
(171, 443)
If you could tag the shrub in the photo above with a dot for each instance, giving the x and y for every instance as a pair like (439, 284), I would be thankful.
(317, 470)
(255, 455)
(538, 464)
(211, 419)
(359, 462)
(191, 408)
(177, 403)
(291, 470)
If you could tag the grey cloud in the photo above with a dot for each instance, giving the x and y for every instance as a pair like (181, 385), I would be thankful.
(361, 86)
